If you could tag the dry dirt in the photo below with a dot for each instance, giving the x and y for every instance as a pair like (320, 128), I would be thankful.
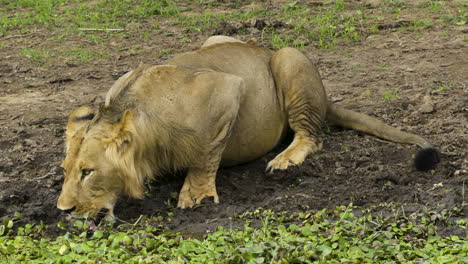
(427, 68)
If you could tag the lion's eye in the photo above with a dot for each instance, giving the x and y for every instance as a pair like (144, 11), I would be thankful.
(85, 172)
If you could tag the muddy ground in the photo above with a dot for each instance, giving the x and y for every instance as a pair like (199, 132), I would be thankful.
(412, 80)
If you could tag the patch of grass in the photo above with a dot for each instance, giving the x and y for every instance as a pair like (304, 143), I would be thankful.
(84, 55)
(368, 93)
(326, 26)
(166, 51)
(27, 13)
(23, 14)
(210, 20)
(40, 56)
(200, 23)
(418, 23)
(278, 42)
(459, 16)
(395, 3)
(444, 87)
(392, 94)
(325, 236)
(435, 6)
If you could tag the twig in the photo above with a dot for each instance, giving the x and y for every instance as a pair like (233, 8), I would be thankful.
(102, 29)
(43, 177)
(137, 221)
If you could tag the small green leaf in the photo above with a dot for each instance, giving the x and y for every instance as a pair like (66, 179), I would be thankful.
(326, 250)
(10, 224)
(63, 249)
(388, 234)
(98, 234)
(78, 224)
(11, 249)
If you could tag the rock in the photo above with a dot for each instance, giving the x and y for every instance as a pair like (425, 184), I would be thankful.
(463, 29)
(17, 147)
(426, 108)
(253, 30)
(341, 171)
(335, 99)
(30, 142)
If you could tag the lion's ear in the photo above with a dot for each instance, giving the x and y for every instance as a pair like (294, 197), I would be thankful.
(119, 150)
(78, 118)
(124, 131)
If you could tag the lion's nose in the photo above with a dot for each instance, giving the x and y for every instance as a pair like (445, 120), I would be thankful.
(68, 211)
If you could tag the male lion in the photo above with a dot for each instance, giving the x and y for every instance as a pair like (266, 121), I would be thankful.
(227, 103)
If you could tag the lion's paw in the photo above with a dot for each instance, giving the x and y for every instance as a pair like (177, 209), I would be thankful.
(190, 198)
(294, 155)
(280, 162)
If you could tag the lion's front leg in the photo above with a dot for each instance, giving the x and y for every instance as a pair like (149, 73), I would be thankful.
(199, 183)
(219, 96)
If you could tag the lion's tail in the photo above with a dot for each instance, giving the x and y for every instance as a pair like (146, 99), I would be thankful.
(426, 158)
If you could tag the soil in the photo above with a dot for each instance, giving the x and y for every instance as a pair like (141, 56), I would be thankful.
(425, 70)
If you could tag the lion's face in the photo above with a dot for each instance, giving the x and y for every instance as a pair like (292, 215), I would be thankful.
(91, 181)
(93, 174)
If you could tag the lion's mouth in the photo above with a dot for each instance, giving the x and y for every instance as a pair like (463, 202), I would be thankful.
(93, 221)
(103, 213)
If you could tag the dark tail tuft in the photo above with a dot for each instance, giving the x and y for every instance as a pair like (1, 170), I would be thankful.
(427, 159)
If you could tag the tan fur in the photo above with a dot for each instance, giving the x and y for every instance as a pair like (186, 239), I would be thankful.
(225, 104)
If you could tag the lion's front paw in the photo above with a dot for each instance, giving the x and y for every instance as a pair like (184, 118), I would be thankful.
(190, 197)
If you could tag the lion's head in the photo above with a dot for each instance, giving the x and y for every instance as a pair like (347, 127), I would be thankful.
(97, 167)
(112, 151)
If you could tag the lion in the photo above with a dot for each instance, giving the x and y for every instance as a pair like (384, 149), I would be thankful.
(224, 104)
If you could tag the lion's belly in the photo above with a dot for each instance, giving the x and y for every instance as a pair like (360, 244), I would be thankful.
(260, 126)
(245, 146)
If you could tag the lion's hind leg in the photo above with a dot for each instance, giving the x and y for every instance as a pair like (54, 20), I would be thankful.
(305, 103)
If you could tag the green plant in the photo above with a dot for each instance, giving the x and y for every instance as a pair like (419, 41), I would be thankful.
(392, 94)
(166, 51)
(40, 56)
(395, 3)
(444, 87)
(327, 26)
(324, 236)
(84, 55)
(278, 42)
(435, 6)
(368, 93)
(417, 23)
